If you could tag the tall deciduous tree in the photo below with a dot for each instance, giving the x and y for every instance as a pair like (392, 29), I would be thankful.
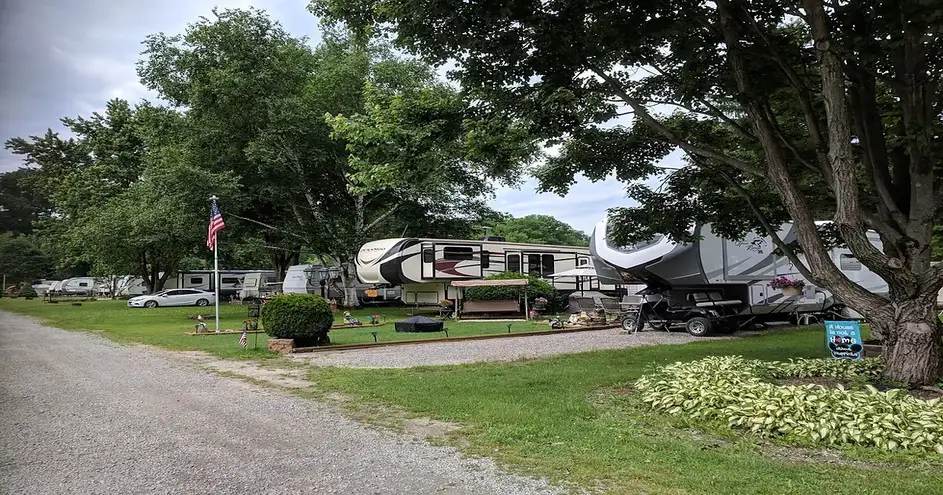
(796, 111)
(257, 98)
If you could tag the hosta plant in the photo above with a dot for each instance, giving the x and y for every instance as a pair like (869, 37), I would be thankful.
(738, 391)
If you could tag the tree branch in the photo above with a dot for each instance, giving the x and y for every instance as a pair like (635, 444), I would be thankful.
(807, 233)
(848, 217)
(382, 217)
(713, 110)
(642, 112)
(270, 227)
(773, 233)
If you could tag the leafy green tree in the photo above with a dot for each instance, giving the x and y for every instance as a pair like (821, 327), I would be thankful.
(22, 259)
(124, 197)
(789, 111)
(157, 222)
(20, 203)
(539, 229)
(256, 102)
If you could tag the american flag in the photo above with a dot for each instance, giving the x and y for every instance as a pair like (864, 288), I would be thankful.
(242, 339)
(216, 224)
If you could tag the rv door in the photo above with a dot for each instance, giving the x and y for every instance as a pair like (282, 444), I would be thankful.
(428, 260)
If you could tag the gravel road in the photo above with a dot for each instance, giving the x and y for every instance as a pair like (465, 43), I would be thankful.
(79, 414)
(505, 349)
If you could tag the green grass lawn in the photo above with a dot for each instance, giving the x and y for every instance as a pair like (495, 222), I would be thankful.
(165, 327)
(572, 418)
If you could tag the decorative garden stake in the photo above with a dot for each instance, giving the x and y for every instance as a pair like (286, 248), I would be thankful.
(374, 336)
(509, 328)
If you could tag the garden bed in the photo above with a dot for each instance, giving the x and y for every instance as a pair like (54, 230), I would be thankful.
(925, 393)
(825, 401)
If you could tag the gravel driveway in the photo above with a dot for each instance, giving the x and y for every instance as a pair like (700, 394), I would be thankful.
(79, 414)
(505, 349)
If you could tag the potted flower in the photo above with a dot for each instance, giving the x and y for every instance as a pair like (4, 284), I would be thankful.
(790, 287)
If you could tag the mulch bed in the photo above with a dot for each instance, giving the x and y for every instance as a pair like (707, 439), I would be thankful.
(925, 393)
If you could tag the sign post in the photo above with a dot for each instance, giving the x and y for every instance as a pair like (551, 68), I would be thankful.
(843, 339)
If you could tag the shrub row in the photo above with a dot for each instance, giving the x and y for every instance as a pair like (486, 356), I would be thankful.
(736, 390)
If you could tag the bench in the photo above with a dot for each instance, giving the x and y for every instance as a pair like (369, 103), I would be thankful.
(712, 300)
(499, 306)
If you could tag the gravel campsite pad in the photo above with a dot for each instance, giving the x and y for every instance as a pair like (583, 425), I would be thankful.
(79, 414)
(503, 349)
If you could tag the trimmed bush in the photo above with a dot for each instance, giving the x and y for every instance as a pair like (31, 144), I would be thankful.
(306, 318)
(737, 390)
(535, 288)
(27, 290)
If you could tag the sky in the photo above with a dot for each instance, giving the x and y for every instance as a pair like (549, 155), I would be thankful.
(63, 58)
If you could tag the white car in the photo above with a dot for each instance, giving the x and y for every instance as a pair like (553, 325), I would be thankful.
(174, 297)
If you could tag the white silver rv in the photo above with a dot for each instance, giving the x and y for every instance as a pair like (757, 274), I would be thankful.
(425, 268)
(728, 271)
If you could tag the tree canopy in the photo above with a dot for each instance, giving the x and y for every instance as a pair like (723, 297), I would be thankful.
(538, 229)
(786, 112)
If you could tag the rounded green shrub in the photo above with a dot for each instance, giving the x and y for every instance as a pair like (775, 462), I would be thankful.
(535, 288)
(306, 318)
(27, 290)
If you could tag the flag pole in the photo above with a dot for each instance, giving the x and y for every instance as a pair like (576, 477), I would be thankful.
(216, 277)
(216, 269)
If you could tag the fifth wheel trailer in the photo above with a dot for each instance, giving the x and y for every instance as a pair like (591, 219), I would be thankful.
(737, 272)
(425, 268)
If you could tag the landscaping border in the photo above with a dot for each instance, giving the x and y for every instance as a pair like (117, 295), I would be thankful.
(343, 347)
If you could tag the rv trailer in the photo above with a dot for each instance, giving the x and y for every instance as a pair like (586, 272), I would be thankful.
(307, 279)
(425, 268)
(731, 274)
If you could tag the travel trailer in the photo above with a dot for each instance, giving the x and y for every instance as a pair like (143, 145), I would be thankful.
(257, 284)
(732, 275)
(306, 279)
(81, 286)
(425, 268)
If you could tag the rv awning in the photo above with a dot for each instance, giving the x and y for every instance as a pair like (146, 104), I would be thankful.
(576, 272)
(488, 283)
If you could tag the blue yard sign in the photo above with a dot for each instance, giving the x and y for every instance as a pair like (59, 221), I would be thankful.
(844, 339)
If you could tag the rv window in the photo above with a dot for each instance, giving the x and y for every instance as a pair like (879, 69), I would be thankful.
(850, 263)
(196, 280)
(428, 256)
(230, 280)
(533, 264)
(83, 284)
(458, 253)
(547, 265)
(514, 263)
(485, 259)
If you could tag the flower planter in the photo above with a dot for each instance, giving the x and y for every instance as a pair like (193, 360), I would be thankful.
(791, 291)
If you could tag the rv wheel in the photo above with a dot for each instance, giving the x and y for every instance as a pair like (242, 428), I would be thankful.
(698, 326)
(630, 324)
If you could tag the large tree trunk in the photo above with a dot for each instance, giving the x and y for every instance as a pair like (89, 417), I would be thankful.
(913, 340)
(350, 290)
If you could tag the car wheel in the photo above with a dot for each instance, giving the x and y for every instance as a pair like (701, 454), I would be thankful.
(629, 324)
(202, 302)
(150, 304)
(698, 326)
